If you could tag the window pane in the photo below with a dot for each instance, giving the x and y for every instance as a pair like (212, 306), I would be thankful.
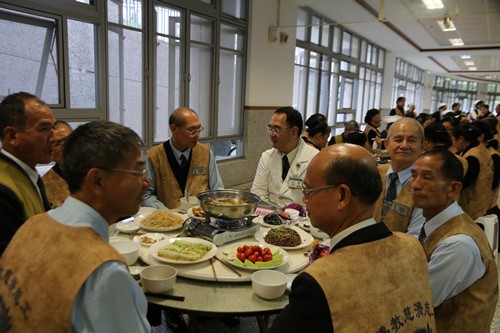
(355, 47)
(125, 12)
(315, 29)
(231, 38)
(200, 74)
(230, 93)
(325, 35)
(125, 78)
(312, 93)
(169, 73)
(82, 69)
(301, 23)
(228, 148)
(234, 8)
(29, 62)
(346, 43)
(336, 39)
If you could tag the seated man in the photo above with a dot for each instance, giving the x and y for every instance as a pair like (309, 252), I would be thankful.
(59, 273)
(349, 126)
(373, 280)
(462, 269)
(281, 169)
(395, 206)
(181, 163)
(55, 185)
(26, 125)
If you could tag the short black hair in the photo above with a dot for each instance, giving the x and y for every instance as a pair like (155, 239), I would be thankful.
(319, 127)
(437, 133)
(13, 112)
(469, 131)
(357, 137)
(451, 168)
(362, 177)
(97, 144)
(315, 119)
(293, 117)
(401, 98)
(370, 114)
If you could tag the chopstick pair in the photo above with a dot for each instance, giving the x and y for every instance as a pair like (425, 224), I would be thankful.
(230, 268)
(171, 297)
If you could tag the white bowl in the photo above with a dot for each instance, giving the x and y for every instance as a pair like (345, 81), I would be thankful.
(127, 248)
(185, 204)
(269, 284)
(158, 279)
(318, 233)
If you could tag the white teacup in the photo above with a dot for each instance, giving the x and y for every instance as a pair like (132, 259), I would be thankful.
(158, 278)
(186, 204)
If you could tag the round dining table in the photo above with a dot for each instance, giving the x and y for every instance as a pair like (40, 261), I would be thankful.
(216, 289)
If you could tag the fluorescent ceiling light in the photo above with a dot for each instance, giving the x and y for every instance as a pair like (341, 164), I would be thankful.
(469, 63)
(465, 56)
(433, 4)
(456, 41)
(472, 68)
(446, 25)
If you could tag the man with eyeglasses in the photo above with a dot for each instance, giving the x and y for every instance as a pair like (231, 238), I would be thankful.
(59, 272)
(281, 169)
(26, 131)
(373, 280)
(395, 207)
(55, 185)
(180, 164)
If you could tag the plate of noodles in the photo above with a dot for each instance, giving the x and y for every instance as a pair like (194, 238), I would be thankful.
(160, 220)
(288, 238)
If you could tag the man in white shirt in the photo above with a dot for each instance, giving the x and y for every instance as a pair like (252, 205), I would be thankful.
(462, 269)
(281, 169)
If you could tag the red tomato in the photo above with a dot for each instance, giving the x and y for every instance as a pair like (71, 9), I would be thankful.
(266, 250)
(252, 258)
(267, 257)
(240, 249)
(248, 252)
(245, 247)
(241, 256)
(256, 248)
(259, 258)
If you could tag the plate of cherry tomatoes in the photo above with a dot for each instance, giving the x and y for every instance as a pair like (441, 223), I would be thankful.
(255, 256)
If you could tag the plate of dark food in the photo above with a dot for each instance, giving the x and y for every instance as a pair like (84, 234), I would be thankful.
(288, 238)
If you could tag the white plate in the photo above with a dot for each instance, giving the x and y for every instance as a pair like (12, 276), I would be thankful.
(260, 220)
(127, 227)
(232, 250)
(155, 237)
(304, 236)
(157, 246)
(190, 213)
(290, 278)
(140, 217)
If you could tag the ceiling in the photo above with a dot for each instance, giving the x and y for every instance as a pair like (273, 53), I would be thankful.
(411, 31)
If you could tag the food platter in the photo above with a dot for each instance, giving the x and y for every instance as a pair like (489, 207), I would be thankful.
(306, 239)
(149, 238)
(157, 246)
(139, 218)
(230, 253)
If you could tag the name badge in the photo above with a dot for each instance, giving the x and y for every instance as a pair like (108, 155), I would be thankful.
(401, 208)
(295, 183)
(199, 171)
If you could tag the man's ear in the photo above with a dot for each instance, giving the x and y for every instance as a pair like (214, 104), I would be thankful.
(344, 196)
(10, 135)
(454, 189)
(93, 180)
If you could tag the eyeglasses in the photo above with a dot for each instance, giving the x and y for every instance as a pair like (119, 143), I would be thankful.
(275, 130)
(141, 173)
(193, 132)
(306, 191)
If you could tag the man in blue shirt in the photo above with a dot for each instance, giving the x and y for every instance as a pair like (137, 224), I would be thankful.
(59, 271)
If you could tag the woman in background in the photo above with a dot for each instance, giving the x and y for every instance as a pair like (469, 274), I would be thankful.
(373, 122)
(318, 133)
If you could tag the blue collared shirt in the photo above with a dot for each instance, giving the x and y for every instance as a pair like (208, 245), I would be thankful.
(456, 262)
(214, 179)
(417, 219)
(110, 299)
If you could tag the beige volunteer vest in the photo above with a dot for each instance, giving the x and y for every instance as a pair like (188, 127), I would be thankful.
(395, 219)
(42, 270)
(377, 285)
(55, 187)
(476, 199)
(167, 188)
(472, 310)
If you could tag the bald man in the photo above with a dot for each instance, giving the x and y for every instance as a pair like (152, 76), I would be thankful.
(181, 163)
(55, 184)
(373, 280)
